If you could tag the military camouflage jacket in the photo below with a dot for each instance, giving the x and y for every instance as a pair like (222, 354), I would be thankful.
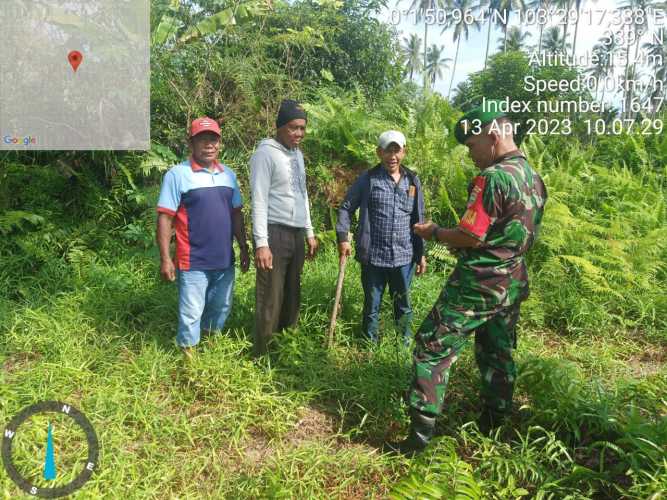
(504, 211)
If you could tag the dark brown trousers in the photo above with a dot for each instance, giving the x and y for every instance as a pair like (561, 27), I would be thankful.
(278, 291)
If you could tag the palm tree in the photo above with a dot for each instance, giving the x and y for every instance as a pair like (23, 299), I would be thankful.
(657, 49)
(421, 7)
(537, 5)
(436, 63)
(490, 11)
(577, 6)
(411, 50)
(604, 51)
(506, 7)
(567, 5)
(503, 9)
(462, 27)
(516, 39)
(554, 43)
(628, 82)
(639, 29)
(597, 71)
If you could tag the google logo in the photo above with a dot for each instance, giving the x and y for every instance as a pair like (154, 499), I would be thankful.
(26, 141)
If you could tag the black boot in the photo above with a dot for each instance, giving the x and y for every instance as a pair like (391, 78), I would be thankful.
(490, 420)
(422, 428)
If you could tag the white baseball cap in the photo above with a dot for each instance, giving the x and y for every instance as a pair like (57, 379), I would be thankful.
(386, 138)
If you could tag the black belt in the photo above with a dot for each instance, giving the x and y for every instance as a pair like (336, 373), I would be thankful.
(286, 228)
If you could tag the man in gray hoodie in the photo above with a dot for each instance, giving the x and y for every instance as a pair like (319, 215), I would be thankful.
(281, 221)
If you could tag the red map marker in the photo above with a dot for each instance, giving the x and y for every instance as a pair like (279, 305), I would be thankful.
(75, 58)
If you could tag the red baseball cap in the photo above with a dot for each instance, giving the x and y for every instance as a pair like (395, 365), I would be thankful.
(204, 124)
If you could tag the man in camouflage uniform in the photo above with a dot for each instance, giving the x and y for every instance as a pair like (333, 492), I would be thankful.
(490, 280)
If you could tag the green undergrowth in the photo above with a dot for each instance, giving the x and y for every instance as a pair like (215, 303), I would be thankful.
(85, 319)
(98, 333)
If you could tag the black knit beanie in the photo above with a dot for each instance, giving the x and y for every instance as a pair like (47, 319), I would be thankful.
(289, 110)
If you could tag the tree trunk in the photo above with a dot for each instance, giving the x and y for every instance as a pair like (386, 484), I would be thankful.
(567, 24)
(626, 97)
(634, 67)
(539, 43)
(456, 58)
(425, 50)
(576, 29)
(488, 41)
(507, 25)
(609, 70)
(636, 49)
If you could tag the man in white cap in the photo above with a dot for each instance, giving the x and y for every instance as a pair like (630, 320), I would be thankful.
(200, 198)
(390, 201)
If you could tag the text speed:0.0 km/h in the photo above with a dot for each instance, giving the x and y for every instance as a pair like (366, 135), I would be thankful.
(619, 126)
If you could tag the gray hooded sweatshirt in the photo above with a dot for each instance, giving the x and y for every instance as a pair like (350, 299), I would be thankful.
(278, 190)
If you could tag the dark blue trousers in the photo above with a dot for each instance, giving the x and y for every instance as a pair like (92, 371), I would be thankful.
(374, 280)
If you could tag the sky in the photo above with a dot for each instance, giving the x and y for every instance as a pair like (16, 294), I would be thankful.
(472, 51)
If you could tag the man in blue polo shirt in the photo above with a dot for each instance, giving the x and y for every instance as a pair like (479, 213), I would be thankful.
(390, 201)
(200, 199)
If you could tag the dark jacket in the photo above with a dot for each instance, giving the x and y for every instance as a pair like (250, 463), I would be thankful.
(358, 196)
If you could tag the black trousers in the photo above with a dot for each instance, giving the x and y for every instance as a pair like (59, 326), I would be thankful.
(278, 291)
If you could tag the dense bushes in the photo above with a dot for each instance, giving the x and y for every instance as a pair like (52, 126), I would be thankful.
(599, 264)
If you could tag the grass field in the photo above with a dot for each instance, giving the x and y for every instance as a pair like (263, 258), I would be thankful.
(590, 417)
(85, 319)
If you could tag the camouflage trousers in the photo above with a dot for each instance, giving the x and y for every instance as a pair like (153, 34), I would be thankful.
(440, 339)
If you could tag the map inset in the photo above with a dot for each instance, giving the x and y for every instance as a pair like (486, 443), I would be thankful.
(74, 74)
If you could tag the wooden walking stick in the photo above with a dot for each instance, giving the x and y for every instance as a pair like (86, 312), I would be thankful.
(339, 292)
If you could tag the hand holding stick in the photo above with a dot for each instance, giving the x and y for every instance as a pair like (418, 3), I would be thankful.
(339, 292)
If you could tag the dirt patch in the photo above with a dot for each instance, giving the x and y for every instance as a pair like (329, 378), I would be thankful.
(343, 178)
(313, 425)
(256, 451)
(369, 483)
(552, 342)
(20, 360)
(649, 362)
